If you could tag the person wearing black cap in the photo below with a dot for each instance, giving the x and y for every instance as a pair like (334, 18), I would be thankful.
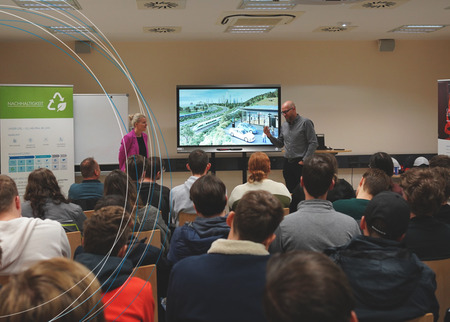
(389, 282)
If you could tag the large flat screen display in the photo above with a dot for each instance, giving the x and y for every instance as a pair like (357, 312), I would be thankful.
(227, 118)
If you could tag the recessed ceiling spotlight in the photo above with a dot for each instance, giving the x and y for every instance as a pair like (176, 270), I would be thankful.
(344, 24)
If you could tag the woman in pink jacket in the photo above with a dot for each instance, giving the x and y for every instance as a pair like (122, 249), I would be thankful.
(135, 141)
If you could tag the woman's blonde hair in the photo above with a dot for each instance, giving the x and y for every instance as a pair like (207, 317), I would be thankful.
(58, 287)
(134, 118)
(258, 166)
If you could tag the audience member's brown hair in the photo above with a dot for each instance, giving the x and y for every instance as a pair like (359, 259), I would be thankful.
(58, 289)
(376, 181)
(258, 166)
(424, 191)
(107, 230)
(440, 160)
(198, 161)
(88, 167)
(319, 170)
(42, 185)
(118, 183)
(444, 175)
(8, 191)
(257, 216)
(152, 167)
(306, 287)
(136, 167)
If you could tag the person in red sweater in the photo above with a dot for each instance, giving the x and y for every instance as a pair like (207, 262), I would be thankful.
(125, 298)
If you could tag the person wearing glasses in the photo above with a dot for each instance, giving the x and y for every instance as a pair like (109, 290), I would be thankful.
(299, 139)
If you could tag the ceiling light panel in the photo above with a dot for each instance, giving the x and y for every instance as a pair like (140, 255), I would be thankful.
(249, 29)
(257, 18)
(267, 5)
(327, 2)
(417, 28)
(71, 30)
(48, 4)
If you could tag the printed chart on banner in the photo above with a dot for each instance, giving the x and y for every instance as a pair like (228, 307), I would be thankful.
(29, 163)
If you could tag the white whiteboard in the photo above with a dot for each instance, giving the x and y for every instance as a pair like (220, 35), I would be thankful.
(97, 128)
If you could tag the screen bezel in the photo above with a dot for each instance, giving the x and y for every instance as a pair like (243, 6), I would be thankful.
(227, 148)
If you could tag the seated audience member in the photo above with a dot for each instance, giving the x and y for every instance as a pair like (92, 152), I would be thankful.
(209, 195)
(372, 182)
(145, 217)
(227, 283)
(389, 282)
(139, 251)
(383, 161)
(307, 287)
(57, 289)
(198, 164)
(259, 168)
(342, 190)
(426, 236)
(421, 162)
(105, 245)
(44, 199)
(440, 160)
(90, 189)
(440, 165)
(25, 241)
(153, 193)
(315, 225)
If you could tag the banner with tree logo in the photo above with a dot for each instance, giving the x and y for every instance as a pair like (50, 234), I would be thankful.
(36, 127)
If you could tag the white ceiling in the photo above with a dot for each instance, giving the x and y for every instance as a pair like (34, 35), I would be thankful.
(121, 20)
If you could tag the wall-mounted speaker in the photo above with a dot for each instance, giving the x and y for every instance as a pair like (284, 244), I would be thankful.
(82, 47)
(386, 44)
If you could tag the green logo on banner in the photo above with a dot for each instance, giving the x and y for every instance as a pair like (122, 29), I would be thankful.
(27, 102)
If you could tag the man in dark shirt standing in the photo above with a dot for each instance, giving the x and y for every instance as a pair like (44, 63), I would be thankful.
(298, 137)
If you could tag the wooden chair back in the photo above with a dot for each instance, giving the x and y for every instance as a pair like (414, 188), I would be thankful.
(424, 318)
(184, 217)
(442, 270)
(89, 213)
(74, 238)
(4, 279)
(153, 237)
(144, 272)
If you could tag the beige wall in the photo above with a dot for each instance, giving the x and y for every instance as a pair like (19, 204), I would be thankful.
(360, 98)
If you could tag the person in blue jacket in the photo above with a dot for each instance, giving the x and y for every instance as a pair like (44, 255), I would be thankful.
(209, 196)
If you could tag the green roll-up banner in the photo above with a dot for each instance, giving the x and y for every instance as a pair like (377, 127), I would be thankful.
(36, 123)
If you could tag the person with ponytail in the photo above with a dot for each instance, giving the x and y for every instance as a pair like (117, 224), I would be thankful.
(259, 169)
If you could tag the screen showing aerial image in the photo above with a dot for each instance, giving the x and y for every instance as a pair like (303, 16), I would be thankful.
(227, 116)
